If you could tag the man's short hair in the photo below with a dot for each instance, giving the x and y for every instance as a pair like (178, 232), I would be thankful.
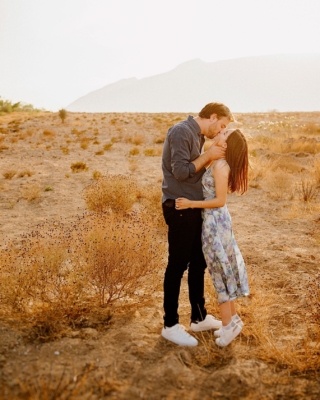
(216, 108)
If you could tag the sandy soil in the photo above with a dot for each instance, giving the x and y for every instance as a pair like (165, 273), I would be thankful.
(128, 359)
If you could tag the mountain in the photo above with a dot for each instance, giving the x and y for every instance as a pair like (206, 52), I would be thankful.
(277, 82)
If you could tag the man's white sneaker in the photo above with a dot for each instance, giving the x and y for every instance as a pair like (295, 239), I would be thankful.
(178, 335)
(227, 335)
(208, 323)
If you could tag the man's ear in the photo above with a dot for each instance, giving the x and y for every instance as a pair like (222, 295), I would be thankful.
(213, 118)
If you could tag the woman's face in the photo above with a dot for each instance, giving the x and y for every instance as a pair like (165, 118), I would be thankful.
(222, 137)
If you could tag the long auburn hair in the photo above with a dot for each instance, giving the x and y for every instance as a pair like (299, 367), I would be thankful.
(237, 158)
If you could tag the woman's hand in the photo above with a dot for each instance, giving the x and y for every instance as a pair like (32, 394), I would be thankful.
(183, 203)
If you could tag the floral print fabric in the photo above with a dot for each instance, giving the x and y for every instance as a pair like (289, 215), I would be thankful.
(224, 260)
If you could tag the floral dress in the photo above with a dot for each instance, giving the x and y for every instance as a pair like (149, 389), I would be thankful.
(224, 260)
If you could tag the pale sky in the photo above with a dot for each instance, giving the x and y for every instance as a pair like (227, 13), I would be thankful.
(54, 51)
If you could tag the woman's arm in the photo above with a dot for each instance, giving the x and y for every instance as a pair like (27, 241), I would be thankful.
(220, 173)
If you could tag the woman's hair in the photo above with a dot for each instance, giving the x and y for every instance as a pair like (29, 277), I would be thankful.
(237, 158)
(216, 108)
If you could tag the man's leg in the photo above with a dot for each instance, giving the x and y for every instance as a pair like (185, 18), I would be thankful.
(180, 239)
(197, 268)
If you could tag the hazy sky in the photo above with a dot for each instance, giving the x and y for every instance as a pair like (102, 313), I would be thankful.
(54, 51)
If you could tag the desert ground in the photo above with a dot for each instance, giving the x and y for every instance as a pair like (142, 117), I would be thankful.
(83, 253)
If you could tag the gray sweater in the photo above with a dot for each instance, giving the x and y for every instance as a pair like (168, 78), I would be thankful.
(183, 144)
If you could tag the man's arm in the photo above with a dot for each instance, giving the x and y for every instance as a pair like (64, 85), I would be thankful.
(213, 153)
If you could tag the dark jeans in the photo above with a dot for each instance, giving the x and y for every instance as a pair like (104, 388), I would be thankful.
(185, 252)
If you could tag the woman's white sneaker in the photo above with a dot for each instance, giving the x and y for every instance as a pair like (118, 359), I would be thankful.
(227, 334)
(208, 323)
(178, 335)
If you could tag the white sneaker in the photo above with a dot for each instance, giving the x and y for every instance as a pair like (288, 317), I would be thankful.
(237, 320)
(178, 335)
(208, 323)
(227, 335)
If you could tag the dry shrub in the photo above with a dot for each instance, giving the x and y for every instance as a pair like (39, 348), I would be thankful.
(279, 184)
(307, 190)
(9, 174)
(160, 139)
(31, 192)
(301, 145)
(78, 166)
(117, 193)
(60, 275)
(134, 151)
(96, 175)
(3, 147)
(121, 255)
(137, 139)
(49, 134)
(107, 146)
(152, 152)
(99, 153)
(150, 198)
(84, 144)
(25, 172)
(290, 164)
(64, 150)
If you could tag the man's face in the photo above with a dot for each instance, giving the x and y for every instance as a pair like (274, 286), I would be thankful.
(216, 125)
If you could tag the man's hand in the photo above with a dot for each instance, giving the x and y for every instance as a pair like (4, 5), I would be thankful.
(182, 203)
(216, 152)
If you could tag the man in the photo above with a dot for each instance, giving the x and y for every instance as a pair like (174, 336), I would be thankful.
(183, 166)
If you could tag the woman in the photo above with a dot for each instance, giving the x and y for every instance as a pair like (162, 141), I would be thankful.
(223, 257)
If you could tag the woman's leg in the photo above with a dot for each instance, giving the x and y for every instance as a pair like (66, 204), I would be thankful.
(226, 314)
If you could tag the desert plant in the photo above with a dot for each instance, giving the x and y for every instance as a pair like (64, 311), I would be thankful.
(99, 153)
(49, 134)
(134, 151)
(308, 190)
(64, 150)
(137, 139)
(62, 114)
(111, 192)
(279, 184)
(107, 146)
(78, 166)
(31, 192)
(9, 174)
(96, 175)
(25, 172)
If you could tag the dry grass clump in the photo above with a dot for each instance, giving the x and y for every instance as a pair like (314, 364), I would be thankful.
(116, 193)
(307, 190)
(49, 134)
(274, 331)
(78, 166)
(31, 192)
(60, 275)
(279, 184)
(134, 151)
(137, 139)
(9, 174)
(25, 172)
(96, 175)
(3, 147)
(107, 146)
(65, 150)
(152, 152)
